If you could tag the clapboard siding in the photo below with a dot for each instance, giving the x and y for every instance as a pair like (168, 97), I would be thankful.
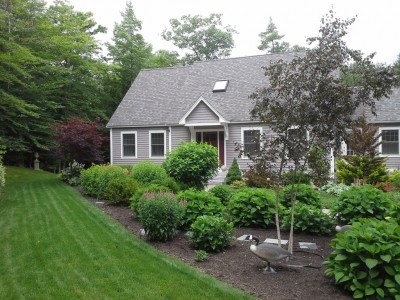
(202, 114)
(179, 134)
(142, 147)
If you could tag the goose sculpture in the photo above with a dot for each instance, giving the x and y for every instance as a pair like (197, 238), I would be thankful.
(342, 228)
(268, 252)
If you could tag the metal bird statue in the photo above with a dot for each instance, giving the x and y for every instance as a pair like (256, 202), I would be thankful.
(268, 252)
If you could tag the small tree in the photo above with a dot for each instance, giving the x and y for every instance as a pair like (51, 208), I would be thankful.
(192, 164)
(234, 173)
(365, 164)
(306, 104)
(80, 141)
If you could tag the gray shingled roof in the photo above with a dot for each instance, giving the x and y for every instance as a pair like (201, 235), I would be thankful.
(164, 96)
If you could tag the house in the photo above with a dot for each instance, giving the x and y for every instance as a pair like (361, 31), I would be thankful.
(208, 102)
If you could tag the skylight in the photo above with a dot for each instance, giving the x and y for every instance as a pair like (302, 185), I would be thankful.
(220, 86)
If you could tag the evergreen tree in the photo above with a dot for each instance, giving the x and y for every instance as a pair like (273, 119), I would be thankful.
(234, 173)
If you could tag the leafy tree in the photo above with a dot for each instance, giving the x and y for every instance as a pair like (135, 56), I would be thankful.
(365, 164)
(270, 40)
(192, 163)
(205, 37)
(129, 51)
(307, 104)
(163, 59)
(79, 141)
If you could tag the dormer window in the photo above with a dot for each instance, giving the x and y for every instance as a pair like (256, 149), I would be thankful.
(220, 86)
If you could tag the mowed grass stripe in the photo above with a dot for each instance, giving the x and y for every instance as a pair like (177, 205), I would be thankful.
(57, 245)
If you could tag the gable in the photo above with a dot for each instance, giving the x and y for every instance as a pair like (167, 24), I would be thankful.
(202, 114)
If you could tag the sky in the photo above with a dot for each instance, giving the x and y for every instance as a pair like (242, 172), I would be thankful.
(376, 29)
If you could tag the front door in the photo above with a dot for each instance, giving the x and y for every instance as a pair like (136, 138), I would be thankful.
(216, 139)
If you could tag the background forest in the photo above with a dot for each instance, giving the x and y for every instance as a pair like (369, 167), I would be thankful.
(58, 80)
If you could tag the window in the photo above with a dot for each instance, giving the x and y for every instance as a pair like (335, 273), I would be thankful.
(128, 144)
(157, 143)
(251, 140)
(220, 86)
(390, 141)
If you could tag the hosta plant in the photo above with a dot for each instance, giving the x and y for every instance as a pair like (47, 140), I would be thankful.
(211, 233)
(366, 259)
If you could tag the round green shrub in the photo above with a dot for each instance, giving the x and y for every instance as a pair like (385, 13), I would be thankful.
(95, 179)
(192, 164)
(199, 203)
(234, 173)
(223, 192)
(309, 219)
(366, 259)
(395, 180)
(119, 190)
(211, 233)
(147, 172)
(252, 207)
(304, 194)
(362, 202)
(160, 214)
(139, 194)
(71, 174)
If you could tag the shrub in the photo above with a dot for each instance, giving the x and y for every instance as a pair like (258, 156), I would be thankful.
(139, 194)
(309, 219)
(334, 189)
(193, 164)
(223, 192)
(362, 202)
(304, 194)
(95, 179)
(318, 163)
(395, 180)
(233, 173)
(252, 207)
(366, 259)
(292, 177)
(160, 215)
(199, 203)
(119, 190)
(147, 172)
(211, 233)
(71, 175)
(201, 255)
(257, 176)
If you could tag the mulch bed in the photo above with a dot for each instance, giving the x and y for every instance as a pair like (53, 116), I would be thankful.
(238, 267)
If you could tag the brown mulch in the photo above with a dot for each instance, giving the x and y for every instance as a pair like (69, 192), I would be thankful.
(238, 267)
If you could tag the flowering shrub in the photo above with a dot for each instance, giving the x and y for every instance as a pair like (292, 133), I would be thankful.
(335, 189)
(160, 214)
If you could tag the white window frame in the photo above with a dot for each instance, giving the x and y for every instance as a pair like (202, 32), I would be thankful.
(243, 129)
(165, 143)
(380, 139)
(122, 144)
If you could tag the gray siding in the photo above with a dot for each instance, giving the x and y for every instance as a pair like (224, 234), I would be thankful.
(235, 136)
(392, 161)
(202, 114)
(178, 133)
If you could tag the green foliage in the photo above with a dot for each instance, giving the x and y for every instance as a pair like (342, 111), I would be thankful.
(304, 193)
(71, 175)
(119, 190)
(335, 189)
(223, 192)
(362, 202)
(239, 184)
(395, 180)
(139, 194)
(258, 177)
(252, 207)
(366, 259)
(296, 178)
(234, 173)
(319, 165)
(370, 169)
(309, 219)
(270, 40)
(192, 164)
(199, 203)
(2, 170)
(95, 179)
(201, 255)
(147, 172)
(205, 37)
(160, 214)
(211, 233)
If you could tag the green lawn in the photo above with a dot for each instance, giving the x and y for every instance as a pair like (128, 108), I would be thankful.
(56, 245)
